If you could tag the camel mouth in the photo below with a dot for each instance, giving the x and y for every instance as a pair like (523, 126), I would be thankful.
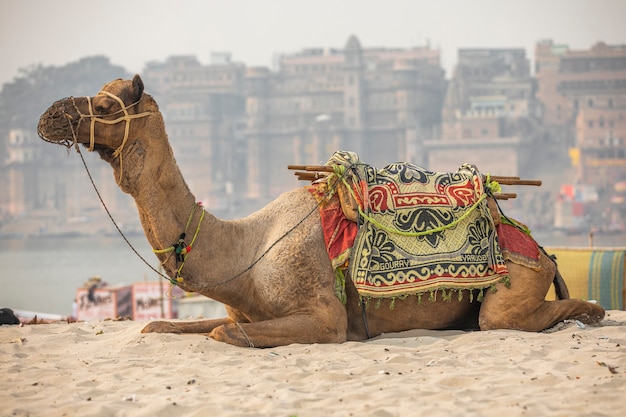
(59, 122)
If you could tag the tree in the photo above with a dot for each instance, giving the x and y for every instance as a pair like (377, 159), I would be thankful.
(24, 99)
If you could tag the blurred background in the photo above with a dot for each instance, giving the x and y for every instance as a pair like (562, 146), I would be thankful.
(523, 88)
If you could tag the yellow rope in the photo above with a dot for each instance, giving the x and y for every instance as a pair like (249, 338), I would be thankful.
(492, 185)
(172, 248)
(92, 126)
(126, 117)
(179, 278)
(423, 232)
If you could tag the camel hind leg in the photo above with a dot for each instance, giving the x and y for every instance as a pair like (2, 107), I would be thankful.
(523, 305)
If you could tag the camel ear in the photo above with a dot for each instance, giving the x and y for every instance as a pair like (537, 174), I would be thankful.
(137, 87)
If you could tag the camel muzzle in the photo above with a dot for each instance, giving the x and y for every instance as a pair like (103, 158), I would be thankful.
(59, 123)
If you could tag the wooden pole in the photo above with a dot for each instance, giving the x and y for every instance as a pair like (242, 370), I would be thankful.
(520, 182)
(504, 196)
(315, 172)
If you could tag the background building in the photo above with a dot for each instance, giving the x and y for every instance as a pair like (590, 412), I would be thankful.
(234, 129)
(489, 113)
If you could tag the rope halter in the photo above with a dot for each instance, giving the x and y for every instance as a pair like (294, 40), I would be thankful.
(126, 117)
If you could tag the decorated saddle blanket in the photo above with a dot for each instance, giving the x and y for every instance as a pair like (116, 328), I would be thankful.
(517, 245)
(420, 230)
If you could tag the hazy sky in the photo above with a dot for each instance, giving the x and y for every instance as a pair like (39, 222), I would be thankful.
(132, 32)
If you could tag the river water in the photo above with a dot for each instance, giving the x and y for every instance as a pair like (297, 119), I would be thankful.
(43, 274)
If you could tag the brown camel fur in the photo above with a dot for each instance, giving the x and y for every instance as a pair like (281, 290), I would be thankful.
(273, 274)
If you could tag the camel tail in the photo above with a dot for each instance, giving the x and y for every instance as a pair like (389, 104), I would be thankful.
(560, 287)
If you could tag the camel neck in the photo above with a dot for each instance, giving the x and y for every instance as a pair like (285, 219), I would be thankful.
(168, 211)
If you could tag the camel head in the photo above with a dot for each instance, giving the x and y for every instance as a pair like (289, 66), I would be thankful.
(120, 123)
(103, 123)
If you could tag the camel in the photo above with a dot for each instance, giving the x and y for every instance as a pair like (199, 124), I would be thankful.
(270, 269)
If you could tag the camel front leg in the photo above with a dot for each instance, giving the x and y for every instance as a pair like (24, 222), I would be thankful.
(299, 328)
(199, 326)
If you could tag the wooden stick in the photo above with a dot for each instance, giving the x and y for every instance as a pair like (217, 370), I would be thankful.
(504, 180)
(501, 178)
(321, 168)
(504, 196)
(309, 176)
(520, 182)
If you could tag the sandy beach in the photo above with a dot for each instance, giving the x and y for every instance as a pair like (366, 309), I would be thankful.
(109, 368)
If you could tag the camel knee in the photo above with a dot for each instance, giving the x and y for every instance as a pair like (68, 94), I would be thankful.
(491, 322)
(329, 328)
(335, 333)
(328, 321)
(522, 315)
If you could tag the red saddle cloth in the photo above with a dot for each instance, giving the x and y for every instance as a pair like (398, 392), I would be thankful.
(339, 232)
(518, 246)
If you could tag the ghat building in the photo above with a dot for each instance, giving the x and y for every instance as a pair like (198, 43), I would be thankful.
(488, 115)
(583, 93)
(235, 129)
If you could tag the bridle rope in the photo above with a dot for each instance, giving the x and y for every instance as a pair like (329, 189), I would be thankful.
(93, 119)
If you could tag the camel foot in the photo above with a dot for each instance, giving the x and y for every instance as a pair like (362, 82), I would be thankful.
(161, 327)
(594, 316)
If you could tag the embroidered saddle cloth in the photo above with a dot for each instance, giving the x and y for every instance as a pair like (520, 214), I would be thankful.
(422, 231)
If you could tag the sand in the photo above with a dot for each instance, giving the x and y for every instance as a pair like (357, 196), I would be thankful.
(109, 368)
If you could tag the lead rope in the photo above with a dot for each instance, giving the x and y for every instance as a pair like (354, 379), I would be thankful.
(118, 152)
(111, 217)
(93, 184)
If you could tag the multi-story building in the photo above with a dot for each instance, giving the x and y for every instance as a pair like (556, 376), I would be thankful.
(585, 91)
(236, 129)
(569, 81)
(600, 152)
(375, 101)
(583, 99)
(204, 111)
(20, 188)
(488, 114)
